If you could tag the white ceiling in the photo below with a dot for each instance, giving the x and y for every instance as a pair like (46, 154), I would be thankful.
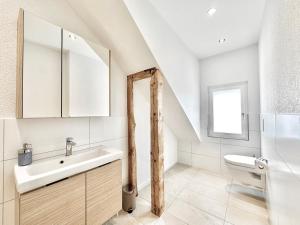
(238, 21)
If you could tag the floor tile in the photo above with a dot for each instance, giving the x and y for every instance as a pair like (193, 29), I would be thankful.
(211, 179)
(210, 206)
(123, 218)
(169, 219)
(145, 194)
(245, 199)
(191, 215)
(174, 187)
(219, 194)
(142, 213)
(198, 197)
(238, 216)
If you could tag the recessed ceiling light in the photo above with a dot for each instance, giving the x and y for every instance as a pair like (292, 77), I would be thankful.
(222, 40)
(211, 11)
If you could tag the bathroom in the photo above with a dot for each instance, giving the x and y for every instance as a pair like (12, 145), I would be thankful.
(155, 128)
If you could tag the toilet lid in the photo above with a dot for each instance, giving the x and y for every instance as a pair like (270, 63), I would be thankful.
(240, 160)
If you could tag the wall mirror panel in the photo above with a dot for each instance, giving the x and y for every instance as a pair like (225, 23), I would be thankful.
(85, 77)
(59, 74)
(41, 68)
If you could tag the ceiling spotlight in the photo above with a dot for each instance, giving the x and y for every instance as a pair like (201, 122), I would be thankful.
(211, 11)
(222, 40)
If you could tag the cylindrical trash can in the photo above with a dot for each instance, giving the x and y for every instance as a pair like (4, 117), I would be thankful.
(128, 199)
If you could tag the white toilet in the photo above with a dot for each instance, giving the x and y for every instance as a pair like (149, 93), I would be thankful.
(247, 170)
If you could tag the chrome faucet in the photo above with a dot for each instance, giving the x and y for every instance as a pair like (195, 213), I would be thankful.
(69, 145)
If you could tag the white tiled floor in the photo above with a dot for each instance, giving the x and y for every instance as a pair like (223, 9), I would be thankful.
(198, 197)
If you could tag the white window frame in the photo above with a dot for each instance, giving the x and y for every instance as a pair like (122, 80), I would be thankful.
(243, 86)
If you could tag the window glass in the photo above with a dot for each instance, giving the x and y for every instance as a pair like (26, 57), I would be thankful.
(228, 116)
(227, 111)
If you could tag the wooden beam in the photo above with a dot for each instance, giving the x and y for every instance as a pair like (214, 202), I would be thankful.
(19, 69)
(157, 151)
(143, 74)
(132, 176)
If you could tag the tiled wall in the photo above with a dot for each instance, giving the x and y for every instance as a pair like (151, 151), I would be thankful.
(209, 153)
(280, 88)
(237, 66)
(48, 139)
(279, 51)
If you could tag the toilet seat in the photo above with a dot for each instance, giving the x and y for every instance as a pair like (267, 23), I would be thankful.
(240, 160)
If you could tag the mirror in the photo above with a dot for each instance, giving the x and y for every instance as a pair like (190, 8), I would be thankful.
(59, 74)
(41, 68)
(85, 77)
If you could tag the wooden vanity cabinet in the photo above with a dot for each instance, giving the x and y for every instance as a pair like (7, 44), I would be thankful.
(103, 193)
(89, 198)
(61, 203)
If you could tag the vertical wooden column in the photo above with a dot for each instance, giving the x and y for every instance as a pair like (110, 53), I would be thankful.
(132, 176)
(157, 151)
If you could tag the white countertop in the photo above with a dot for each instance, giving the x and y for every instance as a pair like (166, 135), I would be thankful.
(43, 172)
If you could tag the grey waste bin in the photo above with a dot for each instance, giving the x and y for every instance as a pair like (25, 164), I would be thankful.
(128, 199)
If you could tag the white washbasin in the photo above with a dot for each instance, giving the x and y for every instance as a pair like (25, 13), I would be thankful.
(43, 172)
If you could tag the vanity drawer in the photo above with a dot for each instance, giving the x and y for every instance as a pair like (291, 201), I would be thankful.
(103, 193)
(61, 203)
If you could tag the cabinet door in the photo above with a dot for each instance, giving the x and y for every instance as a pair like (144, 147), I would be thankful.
(61, 203)
(85, 77)
(104, 193)
(41, 78)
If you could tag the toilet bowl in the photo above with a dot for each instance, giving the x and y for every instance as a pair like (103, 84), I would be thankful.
(247, 170)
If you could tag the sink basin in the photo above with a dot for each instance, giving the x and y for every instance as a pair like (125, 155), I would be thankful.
(43, 172)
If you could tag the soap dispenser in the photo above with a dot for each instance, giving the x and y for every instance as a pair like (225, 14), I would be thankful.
(25, 155)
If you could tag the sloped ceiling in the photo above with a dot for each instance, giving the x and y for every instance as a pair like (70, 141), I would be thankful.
(113, 25)
(111, 22)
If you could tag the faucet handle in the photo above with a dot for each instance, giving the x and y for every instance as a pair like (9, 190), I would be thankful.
(69, 139)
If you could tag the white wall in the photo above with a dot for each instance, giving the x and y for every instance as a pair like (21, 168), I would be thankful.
(179, 66)
(143, 132)
(48, 135)
(236, 66)
(279, 51)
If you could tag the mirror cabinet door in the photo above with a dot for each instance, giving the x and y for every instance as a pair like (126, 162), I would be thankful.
(41, 68)
(86, 77)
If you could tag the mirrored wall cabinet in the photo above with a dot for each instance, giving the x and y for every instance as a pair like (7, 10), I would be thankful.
(59, 74)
